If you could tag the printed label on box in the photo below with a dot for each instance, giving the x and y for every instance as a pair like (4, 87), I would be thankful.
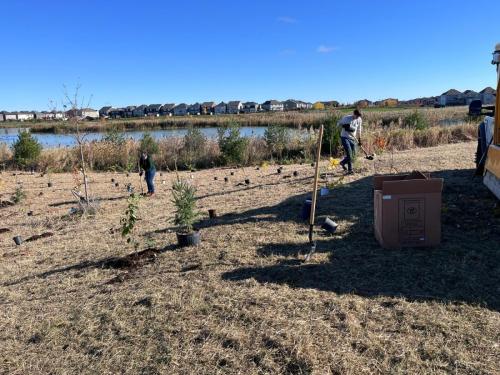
(411, 220)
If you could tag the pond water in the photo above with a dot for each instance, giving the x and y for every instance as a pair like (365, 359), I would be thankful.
(47, 140)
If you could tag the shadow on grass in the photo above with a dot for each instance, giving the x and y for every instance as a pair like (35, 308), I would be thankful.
(129, 262)
(464, 268)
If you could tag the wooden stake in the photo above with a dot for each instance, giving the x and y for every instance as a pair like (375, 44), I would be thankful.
(314, 194)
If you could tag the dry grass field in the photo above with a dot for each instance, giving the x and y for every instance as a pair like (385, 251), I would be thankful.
(79, 301)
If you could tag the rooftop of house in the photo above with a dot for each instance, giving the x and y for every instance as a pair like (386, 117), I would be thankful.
(234, 102)
(451, 92)
(488, 90)
(208, 104)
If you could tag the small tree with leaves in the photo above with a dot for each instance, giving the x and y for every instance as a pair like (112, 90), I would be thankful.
(129, 220)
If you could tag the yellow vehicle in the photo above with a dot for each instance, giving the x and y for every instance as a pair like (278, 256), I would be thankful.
(491, 176)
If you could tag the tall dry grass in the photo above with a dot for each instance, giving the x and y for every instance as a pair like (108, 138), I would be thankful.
(173, 155)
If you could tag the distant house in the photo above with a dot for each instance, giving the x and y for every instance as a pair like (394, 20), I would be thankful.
(487, 95)
(152, 110)
(167, 109)
(251, 107)
(104, 111)
(117, 113)
(45, 116)
(139, 111)
(469, 96)
(220, 109)
(180, 109)
(194, 109)
(10, 116)
(207, 108)
(25, 116)
(2, 116)
(291, 105)
(318, 106)
(129, 111)
(451, 97)
(305, 105)
(331, 104)
(272, 106)
(389, 102)
(234, 107)
(363, 103)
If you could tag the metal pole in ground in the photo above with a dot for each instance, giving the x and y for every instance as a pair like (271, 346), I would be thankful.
(314, 196)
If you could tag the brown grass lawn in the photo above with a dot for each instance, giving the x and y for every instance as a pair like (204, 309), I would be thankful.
(243, 303)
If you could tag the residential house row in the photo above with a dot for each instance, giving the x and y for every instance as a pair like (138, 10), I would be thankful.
(205, 108)
(454, 97)
(31, 115)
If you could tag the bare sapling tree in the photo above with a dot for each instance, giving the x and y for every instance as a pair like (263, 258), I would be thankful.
(76, 113)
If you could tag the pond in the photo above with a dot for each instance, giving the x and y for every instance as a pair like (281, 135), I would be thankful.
(48, 140)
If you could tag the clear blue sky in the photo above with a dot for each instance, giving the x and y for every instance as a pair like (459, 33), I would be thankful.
(136, 52)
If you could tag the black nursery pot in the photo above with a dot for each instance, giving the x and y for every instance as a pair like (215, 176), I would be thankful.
(212, 213)
(247, 181)
(49, 184)
(112, 180)
(295, 173)
(232, 173)
(226, 179)
(216, 178)
(279, 170)
(188, 239)
(18, 240)
(117, 184)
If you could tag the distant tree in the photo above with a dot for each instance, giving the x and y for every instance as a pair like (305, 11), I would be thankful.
(148, 144)
(231, 144)
(26, 149)
(277, 137)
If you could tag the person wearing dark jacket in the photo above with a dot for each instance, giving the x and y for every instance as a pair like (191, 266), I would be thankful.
(147, 166)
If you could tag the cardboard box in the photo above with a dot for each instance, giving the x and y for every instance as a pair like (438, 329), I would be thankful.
(407, 210)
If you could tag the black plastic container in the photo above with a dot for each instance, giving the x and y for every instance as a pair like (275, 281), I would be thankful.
(18, 240)
(188, 239)
(305, 214)
(212, 213)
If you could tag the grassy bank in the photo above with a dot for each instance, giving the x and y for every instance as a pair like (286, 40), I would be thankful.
(372, 117)
(176, 153)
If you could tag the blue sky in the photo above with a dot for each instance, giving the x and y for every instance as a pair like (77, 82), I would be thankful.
(136, 52)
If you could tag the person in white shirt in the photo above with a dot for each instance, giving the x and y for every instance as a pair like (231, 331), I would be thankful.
(351, 126)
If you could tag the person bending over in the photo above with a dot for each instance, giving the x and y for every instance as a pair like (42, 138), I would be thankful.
(351, 127)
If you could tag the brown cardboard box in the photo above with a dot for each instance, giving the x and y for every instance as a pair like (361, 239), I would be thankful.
(407, 210)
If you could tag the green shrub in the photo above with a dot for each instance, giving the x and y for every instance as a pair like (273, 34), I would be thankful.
(148, 144)
(231, 144)
(26, 150)
(114, 136)
(19, 195)
(331, 136)
(185, 203)
(194, 145)
(277, 138)
(416, 120)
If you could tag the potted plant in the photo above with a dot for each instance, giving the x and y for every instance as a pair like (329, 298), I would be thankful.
(185, 215)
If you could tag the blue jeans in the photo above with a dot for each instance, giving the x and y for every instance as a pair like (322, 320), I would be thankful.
(350, 152)
(149, 177)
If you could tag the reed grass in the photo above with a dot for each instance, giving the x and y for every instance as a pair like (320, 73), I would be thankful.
(106, 156)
